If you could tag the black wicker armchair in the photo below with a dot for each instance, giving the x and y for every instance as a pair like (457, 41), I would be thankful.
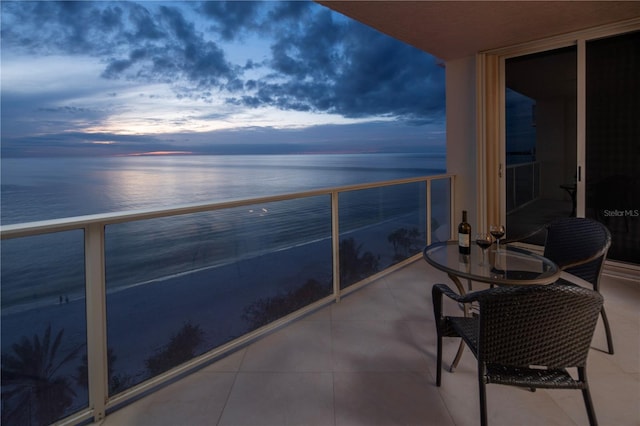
(579, 246)
(524, 336)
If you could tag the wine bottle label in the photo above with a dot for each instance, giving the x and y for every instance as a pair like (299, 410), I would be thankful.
(464, 240)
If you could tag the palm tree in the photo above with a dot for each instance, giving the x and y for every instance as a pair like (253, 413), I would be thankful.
(32, 390)
(405, 242)
(353, 265)
(267, 310)
(117, 382)
(181, 348)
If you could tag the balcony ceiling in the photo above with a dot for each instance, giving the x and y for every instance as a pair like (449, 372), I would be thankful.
(455, 29)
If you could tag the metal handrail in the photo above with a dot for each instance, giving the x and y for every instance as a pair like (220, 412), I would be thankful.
(81, 222)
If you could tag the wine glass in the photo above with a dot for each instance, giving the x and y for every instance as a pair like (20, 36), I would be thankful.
(484, 241)
(498, 232)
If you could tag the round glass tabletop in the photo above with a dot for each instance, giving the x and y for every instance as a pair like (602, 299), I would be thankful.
(507, 266)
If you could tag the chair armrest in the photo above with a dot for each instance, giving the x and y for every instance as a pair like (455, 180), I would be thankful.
(568, 278)
(440, 289)
(602, 252)
(436, 296)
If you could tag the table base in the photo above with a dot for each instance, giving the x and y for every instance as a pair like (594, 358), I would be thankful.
(465, 309)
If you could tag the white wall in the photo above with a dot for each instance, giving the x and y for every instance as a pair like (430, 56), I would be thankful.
(461, 135)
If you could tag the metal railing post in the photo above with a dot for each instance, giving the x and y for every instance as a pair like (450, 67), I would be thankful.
(533, 181)
(335, 244)
(429, 211)
(94, 239)
(513, 186)
(452, 207)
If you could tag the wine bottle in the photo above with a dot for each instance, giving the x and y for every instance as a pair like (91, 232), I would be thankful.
(464, 235)
(464, 263)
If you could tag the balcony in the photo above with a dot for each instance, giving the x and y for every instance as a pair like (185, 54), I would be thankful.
(370, 359)
(98, 310)
(357, 353)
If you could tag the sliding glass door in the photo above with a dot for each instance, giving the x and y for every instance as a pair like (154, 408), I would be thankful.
(572, 139)
(612, 149)
(540, 139)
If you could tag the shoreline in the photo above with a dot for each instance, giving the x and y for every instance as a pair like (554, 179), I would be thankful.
(71, 297)
(141, 319)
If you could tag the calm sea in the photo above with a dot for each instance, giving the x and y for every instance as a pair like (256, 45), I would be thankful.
(41, 188)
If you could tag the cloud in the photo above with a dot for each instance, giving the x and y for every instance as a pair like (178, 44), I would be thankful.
(72, 27)
(166, 47)
(311, 59)
(232, 19)
(384, 137)
(327, 64)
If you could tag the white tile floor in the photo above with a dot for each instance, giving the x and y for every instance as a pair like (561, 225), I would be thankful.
(370, 360)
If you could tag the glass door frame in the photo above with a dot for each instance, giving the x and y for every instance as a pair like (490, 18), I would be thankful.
(491, 120)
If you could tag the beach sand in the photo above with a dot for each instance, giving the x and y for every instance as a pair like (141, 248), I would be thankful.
(141, 319)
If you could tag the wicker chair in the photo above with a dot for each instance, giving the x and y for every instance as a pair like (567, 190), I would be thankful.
(524, 336)
(579, 246)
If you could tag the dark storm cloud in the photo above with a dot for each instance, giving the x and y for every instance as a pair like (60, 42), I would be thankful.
(45, 27)
(318, 61)
(166, 47)
(134, 42)
(232, 19)
(292, 11)
(324, 64)
(144, 26)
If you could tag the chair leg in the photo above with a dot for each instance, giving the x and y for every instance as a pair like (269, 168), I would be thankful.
(589, 405)
(439, 361)
(482, 393)
(607, 330)
(586, 395)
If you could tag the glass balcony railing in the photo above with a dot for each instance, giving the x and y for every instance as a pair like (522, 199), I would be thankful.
(97, 310)
(523, 184)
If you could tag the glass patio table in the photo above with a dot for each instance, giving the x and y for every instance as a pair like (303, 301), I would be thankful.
(506, 266)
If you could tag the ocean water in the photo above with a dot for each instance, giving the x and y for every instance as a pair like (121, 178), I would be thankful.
(43, 188)
(51, 266)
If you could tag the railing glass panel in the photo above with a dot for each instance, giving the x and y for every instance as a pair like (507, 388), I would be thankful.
(440, 210)
(184, 285)
(44, 333)
(523, 184)
(379, 227)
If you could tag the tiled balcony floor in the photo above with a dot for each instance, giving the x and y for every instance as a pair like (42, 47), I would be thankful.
(370, 360)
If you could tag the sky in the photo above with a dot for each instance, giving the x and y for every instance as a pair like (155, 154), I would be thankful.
(121, 78)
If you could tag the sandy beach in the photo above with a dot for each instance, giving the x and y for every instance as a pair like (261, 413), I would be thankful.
(141, 319)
